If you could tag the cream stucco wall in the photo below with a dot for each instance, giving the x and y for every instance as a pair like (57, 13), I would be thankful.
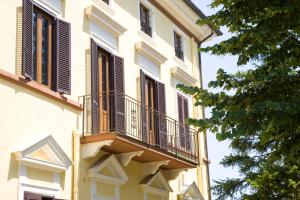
(27, 116)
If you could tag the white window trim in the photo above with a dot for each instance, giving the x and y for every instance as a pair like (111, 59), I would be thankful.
(25, 186)
(183, 43)
(150, 7)
(109, 8)
(49, 7)
(93, 173)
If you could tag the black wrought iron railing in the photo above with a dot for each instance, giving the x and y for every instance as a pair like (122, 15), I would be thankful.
(141, 123)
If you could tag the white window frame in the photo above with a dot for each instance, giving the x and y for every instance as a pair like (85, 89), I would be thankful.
(26, 186)
(150, 7)
(183, 44)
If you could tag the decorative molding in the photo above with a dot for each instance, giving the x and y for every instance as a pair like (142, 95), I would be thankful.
(90, 150)
(152, 167)
(191, 192)
(183, 76)
(34, 86)
(101, 18)
(150, 52)
(57, 160)
(104, 6)
(148, 187)
(125, 158)
(111, 163)
(49, 5)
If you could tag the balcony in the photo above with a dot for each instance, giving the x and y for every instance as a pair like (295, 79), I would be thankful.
(142, 129)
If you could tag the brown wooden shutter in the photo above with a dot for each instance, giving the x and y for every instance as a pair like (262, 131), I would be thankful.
(181, 135)
(117, 100)
(94, 87)
(161, 107)
(143, 107)
(27, 39)
(32, 196)
(186, 128)
(62, 56)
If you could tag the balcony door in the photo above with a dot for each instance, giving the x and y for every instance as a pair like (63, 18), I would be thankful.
(107, 91)
(183, 115)
(151, 109)
(104, 90)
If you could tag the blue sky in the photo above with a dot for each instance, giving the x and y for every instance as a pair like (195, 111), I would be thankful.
(210, 65)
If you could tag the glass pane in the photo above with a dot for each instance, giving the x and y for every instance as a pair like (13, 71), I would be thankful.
(34, 44)
(44, 51)
(104, 82)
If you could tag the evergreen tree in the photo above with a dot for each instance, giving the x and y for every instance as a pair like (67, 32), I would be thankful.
(257, 110)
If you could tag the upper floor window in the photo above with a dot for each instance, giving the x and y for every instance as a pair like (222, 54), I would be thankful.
(46, 48)
(178, 46)
(145, 20)
(106, 1)
(42, 47)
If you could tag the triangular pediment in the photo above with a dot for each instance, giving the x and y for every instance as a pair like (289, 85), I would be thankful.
(45, 154)
(108, 170)
(156, 184)
(193, 192)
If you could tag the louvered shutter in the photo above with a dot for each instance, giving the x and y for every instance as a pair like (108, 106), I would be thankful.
(181, 122)
(27, 39)
(62, 56)
(94, 87)
(143, 107)
(161, 107)
(186, 127)
(32, 196)
(117, 100)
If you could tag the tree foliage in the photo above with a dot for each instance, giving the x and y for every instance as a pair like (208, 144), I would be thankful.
(257, 110)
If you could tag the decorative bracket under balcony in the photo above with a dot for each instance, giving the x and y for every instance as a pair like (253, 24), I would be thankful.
(183, 76)
(90, 150)
(125, 158)
(152, 167)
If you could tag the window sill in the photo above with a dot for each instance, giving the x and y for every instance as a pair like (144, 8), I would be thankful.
(147, 38)
(19, 80)
(181, 63)
(104, 7)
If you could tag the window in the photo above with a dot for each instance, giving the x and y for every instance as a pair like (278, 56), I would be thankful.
(178, 46)
(183, 114)
(46, 48)
(42, 47)
(106, 1)
(33, 196)
(145, 20)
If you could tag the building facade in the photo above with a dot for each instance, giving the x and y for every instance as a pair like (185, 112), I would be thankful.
(89, 107)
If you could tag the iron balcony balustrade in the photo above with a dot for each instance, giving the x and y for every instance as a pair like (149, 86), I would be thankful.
(142, 125)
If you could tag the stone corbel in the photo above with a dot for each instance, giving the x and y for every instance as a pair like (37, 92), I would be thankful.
(125, 158)
(152, 167)
(90, 150)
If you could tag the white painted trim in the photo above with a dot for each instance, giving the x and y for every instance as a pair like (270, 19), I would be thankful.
(125, 158)
(105, 7)
(183, 42)
(150, 52)
(151, 8)
(90, 150)
(25, 186)
(101, 18)
(183, 76)
(152, 167)
(104, 44)
(50, 7)
(24, 156)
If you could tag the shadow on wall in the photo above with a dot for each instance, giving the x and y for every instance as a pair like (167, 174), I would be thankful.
(13, 171)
